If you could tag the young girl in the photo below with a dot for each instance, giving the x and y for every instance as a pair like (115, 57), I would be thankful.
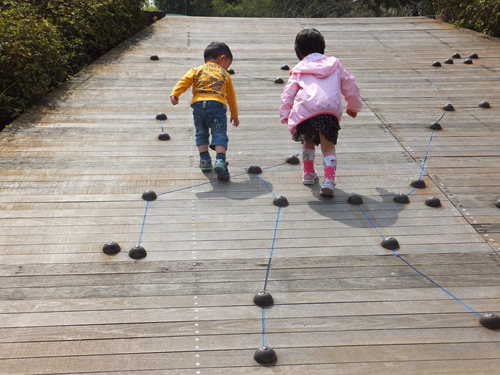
(312, 105)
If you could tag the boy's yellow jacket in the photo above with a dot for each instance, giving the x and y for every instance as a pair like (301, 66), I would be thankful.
(210, 81)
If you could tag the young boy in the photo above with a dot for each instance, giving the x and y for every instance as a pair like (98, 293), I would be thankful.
(212, 90)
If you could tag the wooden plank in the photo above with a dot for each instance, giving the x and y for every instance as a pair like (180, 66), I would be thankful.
(414, 354)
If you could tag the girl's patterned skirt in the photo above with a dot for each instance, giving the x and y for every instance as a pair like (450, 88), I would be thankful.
(328, 125)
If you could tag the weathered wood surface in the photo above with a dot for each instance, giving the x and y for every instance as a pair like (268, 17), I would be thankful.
(72, 172)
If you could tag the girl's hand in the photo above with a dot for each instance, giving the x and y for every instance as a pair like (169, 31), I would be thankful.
(352, 113)
(174, 99)
(235, 121)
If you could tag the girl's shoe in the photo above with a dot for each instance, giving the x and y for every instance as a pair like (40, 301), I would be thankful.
(221, 170)
(328, 187)
(206, 165)
(308, 178)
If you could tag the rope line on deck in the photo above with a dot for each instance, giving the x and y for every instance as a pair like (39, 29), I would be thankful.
(263, 326)
(433, 282)
(371, 222)
(143, 223)
(417, 271)
(272, 248)
(267, 186)
(264, 337)
(427, 154)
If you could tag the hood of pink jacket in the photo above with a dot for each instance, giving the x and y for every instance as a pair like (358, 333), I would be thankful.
(319, 65)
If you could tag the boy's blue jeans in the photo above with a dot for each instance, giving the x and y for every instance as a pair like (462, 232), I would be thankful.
(210, 117)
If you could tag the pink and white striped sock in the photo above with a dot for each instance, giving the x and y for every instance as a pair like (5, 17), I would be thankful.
(330, 164)
(308, 155)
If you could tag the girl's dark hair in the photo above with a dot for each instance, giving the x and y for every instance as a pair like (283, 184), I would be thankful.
(309, 41)
(216, 49)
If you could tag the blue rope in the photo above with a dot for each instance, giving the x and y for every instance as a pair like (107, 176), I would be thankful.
(433, 282)
(272, 248)
(264, 182)
(189, 187)
(374, 226)
(423, 165)
(214, 181)
(417, 271)
(316, 202)
(161, 124)
(430, 140)
(263, 326)
(427, 154)
(442, 116)
(273, 166)
(143, 222)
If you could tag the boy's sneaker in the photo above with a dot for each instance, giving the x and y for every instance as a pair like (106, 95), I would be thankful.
(328, 187)
(206, 165)
(309, 178)
(220, 169)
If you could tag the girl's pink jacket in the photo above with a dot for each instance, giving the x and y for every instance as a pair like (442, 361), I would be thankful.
(314, 88)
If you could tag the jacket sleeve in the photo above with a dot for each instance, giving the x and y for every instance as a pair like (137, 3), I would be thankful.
(287, 98)
(184, 84)
(350, 90)
(231, 98)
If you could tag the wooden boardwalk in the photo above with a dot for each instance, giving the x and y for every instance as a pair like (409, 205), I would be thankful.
(72, 172)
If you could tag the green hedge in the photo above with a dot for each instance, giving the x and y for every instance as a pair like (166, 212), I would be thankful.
(44, 42)
(479, 15)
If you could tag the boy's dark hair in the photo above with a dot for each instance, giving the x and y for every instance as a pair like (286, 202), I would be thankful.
(216, 49)
(309, 41)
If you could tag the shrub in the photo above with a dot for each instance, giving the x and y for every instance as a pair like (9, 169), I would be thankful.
(91, 27)
(46, 41)
(32, 59)
(479, 15)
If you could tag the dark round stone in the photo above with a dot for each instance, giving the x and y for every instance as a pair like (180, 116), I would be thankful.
(161, 116)
(285, 67)
(111, 248)
(456, 55)
(255, 169)
(149, 195)
(498, 203)
(263, 299)
(449, 107)
(265, 355)
(293, 159)
(436, 126)
(468, 61)
(473, 56)
(436, 63)
(390, 243)
(154, 58)
(137, 252)
(355, 199)
(280, 201)
(230, 71)
(433, 202)
(418, 183)
(448, 61)
(401, 198)
(279, 80)
(484, 104)
(490, 320)
(164, 136)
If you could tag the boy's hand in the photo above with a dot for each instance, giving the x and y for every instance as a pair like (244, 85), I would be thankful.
(352, 113)
(234, 121)
(174, 99)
